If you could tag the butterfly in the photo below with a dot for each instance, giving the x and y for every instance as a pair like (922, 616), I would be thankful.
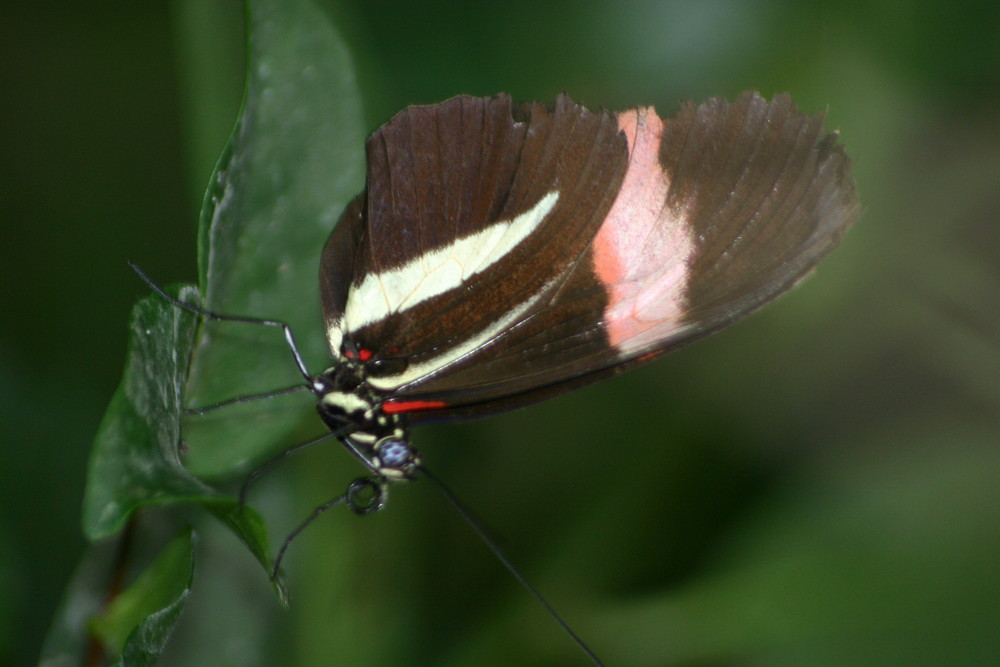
(504, 253)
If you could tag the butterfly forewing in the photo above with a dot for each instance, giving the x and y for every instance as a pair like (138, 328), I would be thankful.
(507, 252)
(430, 253)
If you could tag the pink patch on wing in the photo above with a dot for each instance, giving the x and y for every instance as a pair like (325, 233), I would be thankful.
(642, 248)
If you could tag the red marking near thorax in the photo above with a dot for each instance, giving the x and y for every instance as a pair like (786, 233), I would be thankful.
(397, 407)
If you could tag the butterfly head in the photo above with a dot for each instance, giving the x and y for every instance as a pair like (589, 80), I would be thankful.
(353, 410)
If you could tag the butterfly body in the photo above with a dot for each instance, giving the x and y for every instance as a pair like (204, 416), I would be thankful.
(351, 408)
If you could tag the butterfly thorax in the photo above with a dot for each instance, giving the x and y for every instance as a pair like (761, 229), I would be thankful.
(352, 409)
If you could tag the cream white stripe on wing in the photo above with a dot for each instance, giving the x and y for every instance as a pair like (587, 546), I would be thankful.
(438, 271)
(461, 350)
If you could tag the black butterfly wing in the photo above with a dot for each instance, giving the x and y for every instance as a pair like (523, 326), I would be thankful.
(663, 232)
(396, 277)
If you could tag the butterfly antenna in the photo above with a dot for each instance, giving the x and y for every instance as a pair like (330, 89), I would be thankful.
(286, 329)
(491, 544)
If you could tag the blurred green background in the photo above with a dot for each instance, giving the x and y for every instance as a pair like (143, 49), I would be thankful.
(818, 486)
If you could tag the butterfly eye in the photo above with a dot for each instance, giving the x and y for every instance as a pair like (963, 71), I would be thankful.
(396, 460)
(393, 452)
(386, 367)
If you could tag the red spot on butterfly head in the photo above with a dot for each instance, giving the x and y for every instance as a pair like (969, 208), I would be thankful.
(364, 355)
(397, 407)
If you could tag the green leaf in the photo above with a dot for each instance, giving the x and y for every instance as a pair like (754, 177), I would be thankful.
(136, 457)
(294, 161)
(138, 622)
